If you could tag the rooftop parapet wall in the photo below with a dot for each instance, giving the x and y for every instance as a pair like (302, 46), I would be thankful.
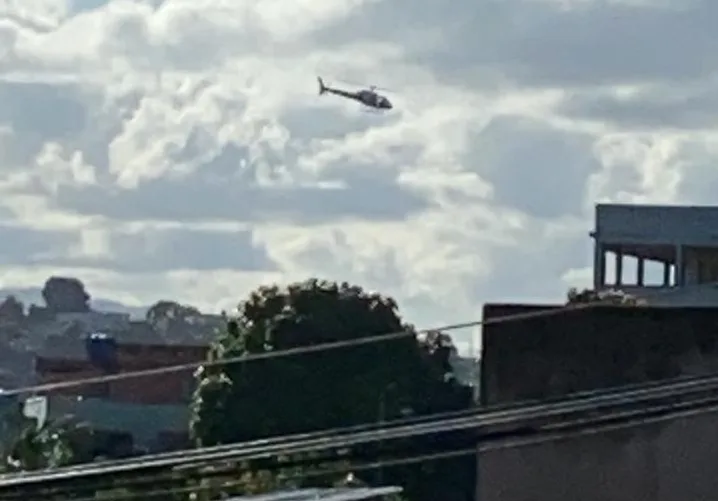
(589, 349)
(656, 224)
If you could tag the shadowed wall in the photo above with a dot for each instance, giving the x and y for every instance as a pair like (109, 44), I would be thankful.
(590, 349)
(657, 462)
(601, 347)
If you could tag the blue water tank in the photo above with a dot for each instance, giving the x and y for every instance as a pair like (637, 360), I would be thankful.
(102, 351)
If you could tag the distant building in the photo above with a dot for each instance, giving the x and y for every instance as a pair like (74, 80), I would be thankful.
(166, 388)
(193, 329)
(92, 321)
(152, 409)
(683, 240)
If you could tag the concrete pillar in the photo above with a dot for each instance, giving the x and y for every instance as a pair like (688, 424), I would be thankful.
(640, 271)
(680, 266)
(619, 268)
(666, 274)
(599, 265)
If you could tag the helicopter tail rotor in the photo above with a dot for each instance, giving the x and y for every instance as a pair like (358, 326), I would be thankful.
(322, 87)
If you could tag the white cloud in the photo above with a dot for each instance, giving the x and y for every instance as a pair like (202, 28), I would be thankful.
(178, 148)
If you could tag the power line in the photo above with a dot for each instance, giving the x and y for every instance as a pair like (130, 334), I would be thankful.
(340, 438)
(370, 426)
(482, 448)
(289, 352)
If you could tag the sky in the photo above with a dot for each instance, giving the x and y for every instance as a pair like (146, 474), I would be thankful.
(178, 149)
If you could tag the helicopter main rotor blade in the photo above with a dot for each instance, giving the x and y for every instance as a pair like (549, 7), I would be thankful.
(364, 86)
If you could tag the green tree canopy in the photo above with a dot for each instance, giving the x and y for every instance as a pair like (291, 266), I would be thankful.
(65, 295)
(609, 296)
(364, 383)
(169, 310)
(12, 311)
(55, 444)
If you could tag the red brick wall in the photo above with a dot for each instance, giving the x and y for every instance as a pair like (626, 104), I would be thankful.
(157, 389)
(47, 375)
(168, 388)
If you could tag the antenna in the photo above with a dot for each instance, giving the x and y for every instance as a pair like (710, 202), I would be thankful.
(475, 365)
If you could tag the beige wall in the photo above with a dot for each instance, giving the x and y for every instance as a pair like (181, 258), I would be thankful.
(671, 461)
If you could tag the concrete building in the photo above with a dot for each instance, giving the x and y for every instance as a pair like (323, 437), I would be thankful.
(551, 357)
(682, 240)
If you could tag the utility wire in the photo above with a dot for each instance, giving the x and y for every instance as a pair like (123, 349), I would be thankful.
(295, 351)
(290, 352)
(482, 448)
(167, 369)
(403, 421)
(415, 420)
(342, 439)
(231, 448)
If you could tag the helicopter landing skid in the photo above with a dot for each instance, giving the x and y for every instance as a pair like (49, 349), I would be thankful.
(372, 111)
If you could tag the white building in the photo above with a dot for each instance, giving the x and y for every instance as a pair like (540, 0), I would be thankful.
(683, 240)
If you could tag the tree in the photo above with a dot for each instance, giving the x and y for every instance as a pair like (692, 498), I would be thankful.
(55, 444)
(172, 319)
(165, 309)
(609, 296)
(361, 384)
(12, 311)
(65, 295)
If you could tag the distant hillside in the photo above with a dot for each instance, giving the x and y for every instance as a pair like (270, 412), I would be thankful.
(33, 295)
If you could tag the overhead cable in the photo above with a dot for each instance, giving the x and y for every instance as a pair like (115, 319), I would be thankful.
(341, 438)
(167, 369)
(484, 447)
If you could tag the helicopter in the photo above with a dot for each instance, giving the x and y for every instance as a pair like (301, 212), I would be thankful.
(368, 97)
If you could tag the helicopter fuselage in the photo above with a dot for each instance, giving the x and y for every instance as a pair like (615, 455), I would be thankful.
(366, 97)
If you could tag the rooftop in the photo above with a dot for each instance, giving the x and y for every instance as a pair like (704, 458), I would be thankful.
(73, 348)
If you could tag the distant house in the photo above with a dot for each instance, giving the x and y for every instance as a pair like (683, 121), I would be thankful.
(62, 364)
(96, 320)
(152, 409)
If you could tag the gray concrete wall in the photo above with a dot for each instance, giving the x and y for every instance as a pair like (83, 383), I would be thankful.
(671, 461)
(601, 347)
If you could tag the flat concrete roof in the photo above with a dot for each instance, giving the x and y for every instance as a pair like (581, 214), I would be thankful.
(659, 206)
(652, 225)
